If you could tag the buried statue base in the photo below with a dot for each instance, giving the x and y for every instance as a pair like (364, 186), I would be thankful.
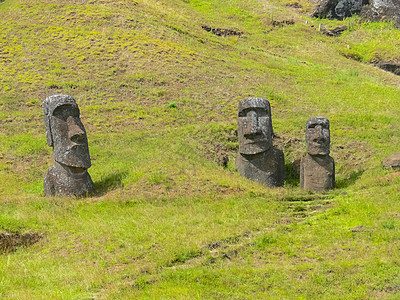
(267, 168)
(61, 180)
(317, 173)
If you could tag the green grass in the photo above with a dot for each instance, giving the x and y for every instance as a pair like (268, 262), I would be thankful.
(158, 97)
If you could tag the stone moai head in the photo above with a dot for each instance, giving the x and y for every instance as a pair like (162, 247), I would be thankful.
(318, 136)
(254, 126)
(65, 131)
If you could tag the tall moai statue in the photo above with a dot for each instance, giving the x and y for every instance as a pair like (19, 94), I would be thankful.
(66, 134)
(317, 168)
(257, 159)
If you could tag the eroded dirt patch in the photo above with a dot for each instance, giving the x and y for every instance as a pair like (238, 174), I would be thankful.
(334, 31)
(221, 31)
(11, 241)
(392, 67)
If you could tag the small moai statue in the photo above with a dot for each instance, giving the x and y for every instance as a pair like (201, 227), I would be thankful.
(317, 168)
(66, 134)
(257, 159)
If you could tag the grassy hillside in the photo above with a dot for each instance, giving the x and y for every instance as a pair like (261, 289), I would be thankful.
(158, 96)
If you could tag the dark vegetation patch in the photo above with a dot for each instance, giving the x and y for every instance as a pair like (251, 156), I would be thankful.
(282, 23)
(305, 198)
(177, 29)
(294, 5)
(220, 143)
(218, 154)
(221, 31)
(12, 241)
(301, 210)
(294, 146)
(109, 183)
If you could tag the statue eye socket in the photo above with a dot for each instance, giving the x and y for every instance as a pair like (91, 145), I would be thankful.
(261, 112)
(64, 111)
(323, 126)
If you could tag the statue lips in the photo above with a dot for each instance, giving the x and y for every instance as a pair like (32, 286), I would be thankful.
(319, 146)
(256, 140)
(77, 156)
(76, 172)
(320, 141)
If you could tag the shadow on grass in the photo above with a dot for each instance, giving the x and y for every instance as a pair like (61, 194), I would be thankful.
(292, 172)
(350, 180)
(109, 183)
(12, 241)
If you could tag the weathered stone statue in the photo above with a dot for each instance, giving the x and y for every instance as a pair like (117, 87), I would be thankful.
(317, 168)
(66, 134)
(257, 159)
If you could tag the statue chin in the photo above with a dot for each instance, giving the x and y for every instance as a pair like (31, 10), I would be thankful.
(77, 157)
(254, 148)
(318, 151)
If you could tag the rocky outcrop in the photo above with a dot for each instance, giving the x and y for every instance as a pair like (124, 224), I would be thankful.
(392, 161)
(373, 10)
(338, 9)
(378, 10)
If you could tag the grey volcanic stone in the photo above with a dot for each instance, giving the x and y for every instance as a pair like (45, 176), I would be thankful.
(66, 134)
(379, 10)
(317, 168)
(392, 161)
(346, 8)
(337, 9)
(257, 159)
(373, 10)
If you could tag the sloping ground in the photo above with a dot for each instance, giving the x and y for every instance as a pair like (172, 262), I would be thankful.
(158, 89)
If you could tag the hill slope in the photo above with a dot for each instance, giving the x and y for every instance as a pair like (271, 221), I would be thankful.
(158, 83)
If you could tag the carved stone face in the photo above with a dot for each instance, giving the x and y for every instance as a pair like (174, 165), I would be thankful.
(318, 136)
(254, 126)
(65, 132)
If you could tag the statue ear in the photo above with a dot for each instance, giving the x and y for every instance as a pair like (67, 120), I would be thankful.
(48, 127)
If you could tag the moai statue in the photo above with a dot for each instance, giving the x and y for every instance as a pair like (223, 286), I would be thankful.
(257, 159)
(317, 168)
(66, 134)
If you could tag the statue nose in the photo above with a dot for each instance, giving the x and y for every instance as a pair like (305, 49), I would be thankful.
(75, 132)
(318, 135)
(252, 126)
(319, 130)
(78, 137)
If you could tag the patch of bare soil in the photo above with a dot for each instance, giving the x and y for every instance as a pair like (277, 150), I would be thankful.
(294, 5)
(221, 31)
(218, 154)
(334, 31)
(392, 176)
(389, 66)
(11, 241)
